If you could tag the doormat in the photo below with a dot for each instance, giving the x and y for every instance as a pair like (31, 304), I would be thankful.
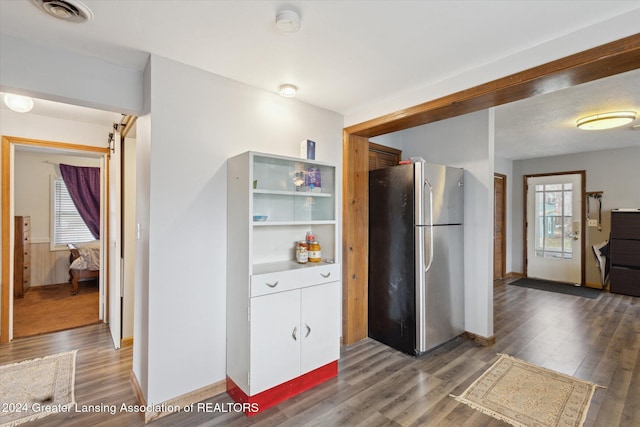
(526, 395)
(36, 388)
(558, 287)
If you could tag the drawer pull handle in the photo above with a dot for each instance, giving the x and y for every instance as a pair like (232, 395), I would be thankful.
(308, 330)
(272, 285)
(326, 275)
(293, 334)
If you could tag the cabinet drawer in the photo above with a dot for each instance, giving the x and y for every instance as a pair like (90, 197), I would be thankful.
(263, 284)
(625, 225)
(625, 281)
(625, 252)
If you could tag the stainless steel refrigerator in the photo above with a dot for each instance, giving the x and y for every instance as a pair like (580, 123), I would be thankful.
(416, 265)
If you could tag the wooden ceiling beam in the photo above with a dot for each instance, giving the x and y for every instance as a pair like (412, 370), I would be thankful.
(593, 64)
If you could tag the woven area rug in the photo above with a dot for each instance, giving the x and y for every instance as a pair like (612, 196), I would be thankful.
(525, 395)
(36, 388)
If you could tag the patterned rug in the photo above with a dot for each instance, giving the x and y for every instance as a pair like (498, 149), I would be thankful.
(525, 395)
(36, 388)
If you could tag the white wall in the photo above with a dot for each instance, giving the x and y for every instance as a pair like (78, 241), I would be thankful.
(466, 142)
(615, 172)
(197, 121)
(388, 140)
(34, 126)
(60, 75)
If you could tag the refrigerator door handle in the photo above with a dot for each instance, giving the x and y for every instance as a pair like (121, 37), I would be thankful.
(427, 184)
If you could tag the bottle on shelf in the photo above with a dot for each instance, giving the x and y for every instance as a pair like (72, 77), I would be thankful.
(310, 237)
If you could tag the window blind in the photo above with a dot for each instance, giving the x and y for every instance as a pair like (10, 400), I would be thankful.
(68, 226)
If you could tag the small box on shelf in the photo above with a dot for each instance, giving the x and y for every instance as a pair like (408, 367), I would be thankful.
(308, 149)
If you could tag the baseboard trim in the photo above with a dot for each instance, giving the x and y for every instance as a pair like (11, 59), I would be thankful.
(480, 340)
(126, 342)
(175, 404)
(138, 391)
(596, 286)
(513, 274)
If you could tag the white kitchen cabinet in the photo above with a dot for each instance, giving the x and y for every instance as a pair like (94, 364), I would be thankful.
(274, 342)
(300, 335)
(283, 318)
(320, 326)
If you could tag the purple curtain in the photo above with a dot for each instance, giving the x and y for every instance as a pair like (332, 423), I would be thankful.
(83, 184)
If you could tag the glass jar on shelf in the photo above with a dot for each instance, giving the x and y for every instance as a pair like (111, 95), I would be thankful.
(315, 254)
(302, 252)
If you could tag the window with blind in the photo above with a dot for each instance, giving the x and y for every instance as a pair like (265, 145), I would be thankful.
(68, 225)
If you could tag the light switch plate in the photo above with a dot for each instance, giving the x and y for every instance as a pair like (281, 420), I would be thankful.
(593, 223)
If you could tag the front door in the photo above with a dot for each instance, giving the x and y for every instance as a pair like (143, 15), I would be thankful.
(554, 240)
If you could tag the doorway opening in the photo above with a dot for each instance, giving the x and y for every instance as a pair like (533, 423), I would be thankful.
(593, 64)
(9, 146)
(554, 230)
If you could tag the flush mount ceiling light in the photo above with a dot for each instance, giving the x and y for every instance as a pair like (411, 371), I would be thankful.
(288, 21)
(606, 120)
(18, 103)
(288, 90)
(67, 10)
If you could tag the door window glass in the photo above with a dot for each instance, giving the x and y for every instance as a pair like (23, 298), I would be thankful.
(553, 220)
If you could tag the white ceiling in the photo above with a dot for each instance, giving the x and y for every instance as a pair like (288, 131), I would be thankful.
(390, 47)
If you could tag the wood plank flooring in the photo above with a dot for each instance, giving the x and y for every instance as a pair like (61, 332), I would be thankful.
(593, 339)
(50, 308)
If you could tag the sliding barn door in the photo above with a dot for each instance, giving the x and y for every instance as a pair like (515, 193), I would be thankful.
(115, 242)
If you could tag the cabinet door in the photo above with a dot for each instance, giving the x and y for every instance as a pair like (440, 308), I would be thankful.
(275, 340)
(320, 326)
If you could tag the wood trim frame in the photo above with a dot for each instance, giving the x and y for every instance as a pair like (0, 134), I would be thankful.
(503, 177)
(583, 227)
(7, 141)
(593, 64)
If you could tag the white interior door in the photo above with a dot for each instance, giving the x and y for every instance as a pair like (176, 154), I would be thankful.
(554, 243)
(115, 251)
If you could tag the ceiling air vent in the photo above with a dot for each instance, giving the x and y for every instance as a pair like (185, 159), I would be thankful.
(67, 10)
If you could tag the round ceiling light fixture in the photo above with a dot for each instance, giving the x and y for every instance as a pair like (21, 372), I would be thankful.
(18, 103)
(288, 21)
(606, 120)
(67, 10)
(288, 90)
